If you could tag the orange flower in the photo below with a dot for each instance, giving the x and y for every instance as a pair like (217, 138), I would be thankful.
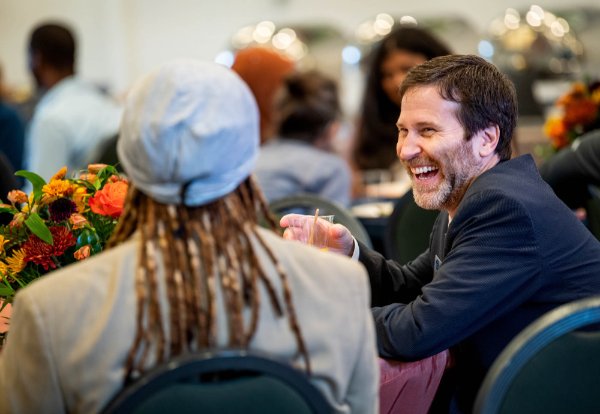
(579, 113)
(555, 129)
(17, 197)
(82, 252)
(115, 178)
(17, 221)
(95, 168)
(77, 221)
(88, 177)
(110, 199)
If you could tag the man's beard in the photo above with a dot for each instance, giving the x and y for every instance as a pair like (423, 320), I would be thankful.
(458, 172)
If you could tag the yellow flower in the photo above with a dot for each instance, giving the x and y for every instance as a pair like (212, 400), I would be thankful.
(56, 189)
(60, 174)
(3, 241)
(16, 262)
(3, 270)
(596, 96)
(80, 197)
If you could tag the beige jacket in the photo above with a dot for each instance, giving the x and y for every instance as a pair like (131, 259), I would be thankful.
(71, 330)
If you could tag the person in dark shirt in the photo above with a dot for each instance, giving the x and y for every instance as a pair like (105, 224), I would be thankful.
(572, 170)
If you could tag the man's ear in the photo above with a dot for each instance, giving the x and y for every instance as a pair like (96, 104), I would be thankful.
(488, 140)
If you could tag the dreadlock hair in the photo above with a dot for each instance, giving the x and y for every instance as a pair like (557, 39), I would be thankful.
(200, 246)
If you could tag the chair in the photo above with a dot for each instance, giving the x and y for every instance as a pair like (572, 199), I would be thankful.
(552, 366)
(307, 203)
(224, 382)
(408, 229)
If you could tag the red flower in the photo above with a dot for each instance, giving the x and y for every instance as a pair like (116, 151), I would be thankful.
(41, 253)
(582, 111)
(110, 200)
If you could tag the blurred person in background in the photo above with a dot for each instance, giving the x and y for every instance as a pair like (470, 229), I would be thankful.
(8, 183)
(572, 170)
(389, 62)
(300, 157)
(263, 69)
(12, 133)
(73, 118)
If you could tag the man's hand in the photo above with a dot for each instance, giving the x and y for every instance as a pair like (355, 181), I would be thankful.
(340, 239)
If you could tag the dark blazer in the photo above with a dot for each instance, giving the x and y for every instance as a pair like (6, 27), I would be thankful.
(512, 252)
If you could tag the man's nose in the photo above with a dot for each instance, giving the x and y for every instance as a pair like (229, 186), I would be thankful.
(407, 147)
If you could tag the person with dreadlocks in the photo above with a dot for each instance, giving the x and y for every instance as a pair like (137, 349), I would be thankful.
(188, 267)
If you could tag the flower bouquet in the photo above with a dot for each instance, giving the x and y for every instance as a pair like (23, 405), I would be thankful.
(575, 113)
(60, 222)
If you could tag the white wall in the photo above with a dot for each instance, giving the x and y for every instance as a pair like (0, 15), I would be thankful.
(121, 39)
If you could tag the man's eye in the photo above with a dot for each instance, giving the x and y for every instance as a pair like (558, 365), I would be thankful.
(402, 132)
(427, 132)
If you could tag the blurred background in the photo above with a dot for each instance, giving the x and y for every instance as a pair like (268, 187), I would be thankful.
(542, 46)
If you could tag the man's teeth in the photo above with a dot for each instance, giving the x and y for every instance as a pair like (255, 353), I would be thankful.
(422, 170)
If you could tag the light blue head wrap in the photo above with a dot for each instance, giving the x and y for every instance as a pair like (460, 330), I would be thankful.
(190, 129)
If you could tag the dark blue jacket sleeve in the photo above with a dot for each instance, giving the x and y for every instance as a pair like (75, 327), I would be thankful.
(392, 282)
(492, 266)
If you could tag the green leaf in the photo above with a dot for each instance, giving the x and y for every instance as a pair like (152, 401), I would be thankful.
(107, 172)
(39, 228)
(9, 209)
(6, 291)
(36, 181)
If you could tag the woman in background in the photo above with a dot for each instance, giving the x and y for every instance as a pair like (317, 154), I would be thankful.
(390, 61)
(300, 158)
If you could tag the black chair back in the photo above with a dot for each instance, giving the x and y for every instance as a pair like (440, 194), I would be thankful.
(221, 382)
(552, 366)
(408, 229)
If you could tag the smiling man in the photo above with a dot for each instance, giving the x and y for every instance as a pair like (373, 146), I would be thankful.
(504, 249)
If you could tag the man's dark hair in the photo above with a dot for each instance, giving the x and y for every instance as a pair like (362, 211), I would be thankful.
(55, 43)
(485, 95)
